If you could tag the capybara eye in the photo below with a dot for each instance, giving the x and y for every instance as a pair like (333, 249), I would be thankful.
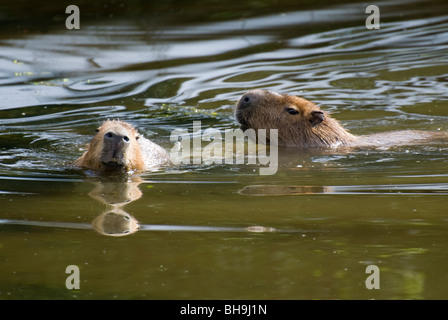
(246, 99)
(126, 139)
(97, 130)
(292, 111)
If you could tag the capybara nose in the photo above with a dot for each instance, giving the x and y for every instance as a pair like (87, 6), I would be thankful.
(113, 137)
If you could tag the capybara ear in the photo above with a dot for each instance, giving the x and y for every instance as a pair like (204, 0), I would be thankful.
(316, 118)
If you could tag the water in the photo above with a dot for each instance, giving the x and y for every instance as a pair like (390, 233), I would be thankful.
(222, 231)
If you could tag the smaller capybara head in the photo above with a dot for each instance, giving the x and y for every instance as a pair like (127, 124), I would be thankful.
(115, 147)
(299, 122)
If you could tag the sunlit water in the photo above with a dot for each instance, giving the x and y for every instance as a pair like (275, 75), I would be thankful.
(223, 231)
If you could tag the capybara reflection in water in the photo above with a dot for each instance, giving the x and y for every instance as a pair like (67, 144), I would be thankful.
(301, 123)
(118, 146)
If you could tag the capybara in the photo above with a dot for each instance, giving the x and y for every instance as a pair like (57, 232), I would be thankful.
(301, 123)
(118, 146)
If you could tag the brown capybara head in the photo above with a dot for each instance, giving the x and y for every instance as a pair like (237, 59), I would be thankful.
(115, 147)
(299, 122)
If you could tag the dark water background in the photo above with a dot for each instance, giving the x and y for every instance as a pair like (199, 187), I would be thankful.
(222, 231)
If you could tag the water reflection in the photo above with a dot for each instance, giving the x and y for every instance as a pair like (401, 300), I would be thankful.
(115, 221)
(117, 191)
(440, 189)
(276, 190)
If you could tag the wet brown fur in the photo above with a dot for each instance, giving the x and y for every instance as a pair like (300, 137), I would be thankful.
(127, 155)
(309, 126)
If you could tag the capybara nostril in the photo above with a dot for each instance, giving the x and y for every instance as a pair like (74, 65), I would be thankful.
(244, 102)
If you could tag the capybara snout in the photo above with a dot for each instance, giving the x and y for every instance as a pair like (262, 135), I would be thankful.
(118, 146)
(114, 148)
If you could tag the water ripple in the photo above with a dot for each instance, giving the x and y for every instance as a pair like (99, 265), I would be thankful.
(166, 76)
